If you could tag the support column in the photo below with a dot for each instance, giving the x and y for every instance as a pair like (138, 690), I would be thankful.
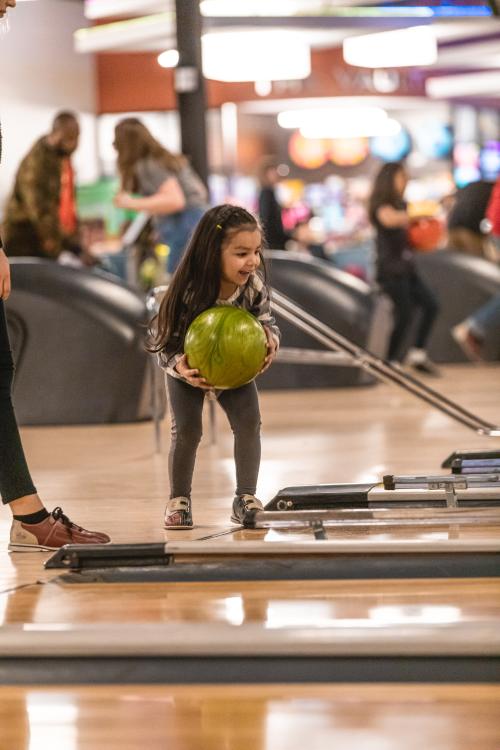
(190, 85)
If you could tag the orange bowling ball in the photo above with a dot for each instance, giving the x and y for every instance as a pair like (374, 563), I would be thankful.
(426, 233)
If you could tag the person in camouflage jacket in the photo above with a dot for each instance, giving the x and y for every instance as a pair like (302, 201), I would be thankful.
(33, 220)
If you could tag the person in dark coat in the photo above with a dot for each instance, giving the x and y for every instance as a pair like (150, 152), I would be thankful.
(396, 270)
(269, 206)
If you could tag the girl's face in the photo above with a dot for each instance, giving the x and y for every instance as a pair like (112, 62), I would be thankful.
(4, 4)
(400, 181)
(240, 256)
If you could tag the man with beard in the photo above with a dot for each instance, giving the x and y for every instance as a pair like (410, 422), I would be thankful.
(40, 217)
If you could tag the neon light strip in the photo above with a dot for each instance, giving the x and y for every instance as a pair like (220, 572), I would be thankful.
(409, 11)
(112, 28)
(467, 11)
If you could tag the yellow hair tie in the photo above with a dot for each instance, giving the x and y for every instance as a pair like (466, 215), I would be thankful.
(218, 226)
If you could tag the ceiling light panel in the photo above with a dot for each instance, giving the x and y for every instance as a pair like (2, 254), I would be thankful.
(95, 9)
(124, 34)
(486, 83)
(415, 46)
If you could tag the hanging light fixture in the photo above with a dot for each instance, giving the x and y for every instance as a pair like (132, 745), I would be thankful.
(358, 129)
(339, 122)
(256, 56)
(169, 58)
(392, 49)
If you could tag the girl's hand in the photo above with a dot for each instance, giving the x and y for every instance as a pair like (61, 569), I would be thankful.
(4, 276)
(124, 200)
(193, 377)
(271, 350)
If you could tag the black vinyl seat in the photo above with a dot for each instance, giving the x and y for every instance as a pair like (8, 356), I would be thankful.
(340, 300)
(462, 284)
(78, 344)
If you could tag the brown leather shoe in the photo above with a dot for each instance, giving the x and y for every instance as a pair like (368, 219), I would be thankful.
(56, 531)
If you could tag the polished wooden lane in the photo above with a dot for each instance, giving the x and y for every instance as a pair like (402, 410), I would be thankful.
(108, 477)
(257, 717)
(294, 603)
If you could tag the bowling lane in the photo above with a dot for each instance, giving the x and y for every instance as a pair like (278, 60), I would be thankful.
(273, 604)
(256, 717)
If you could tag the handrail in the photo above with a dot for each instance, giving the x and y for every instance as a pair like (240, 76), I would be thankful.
(381, 369)
(364, 359)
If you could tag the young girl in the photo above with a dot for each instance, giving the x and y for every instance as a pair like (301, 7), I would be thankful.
(396, 271)
(169, 187)
(219, 268)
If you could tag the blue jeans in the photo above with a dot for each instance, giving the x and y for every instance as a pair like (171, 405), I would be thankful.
(175, 231)
(486, 318)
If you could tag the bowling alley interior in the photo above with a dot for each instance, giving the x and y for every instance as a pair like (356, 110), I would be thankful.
(249, 374)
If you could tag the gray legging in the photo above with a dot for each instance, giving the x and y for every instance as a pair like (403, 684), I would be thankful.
(186, 405)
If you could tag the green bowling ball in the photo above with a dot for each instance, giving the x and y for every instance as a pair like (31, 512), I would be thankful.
(227, 345)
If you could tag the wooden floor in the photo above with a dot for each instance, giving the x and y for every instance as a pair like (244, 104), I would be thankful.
(109, 478)
(270, 717)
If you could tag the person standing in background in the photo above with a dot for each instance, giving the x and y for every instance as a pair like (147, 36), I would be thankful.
(396, 271)
(269, 206)
(493, 215)
(170, 189)
(484, 323)
(40, 216)
(466, 216)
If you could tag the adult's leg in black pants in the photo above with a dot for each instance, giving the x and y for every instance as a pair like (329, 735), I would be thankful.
(398, 288)
(426, 300)
(33, 526)
(16, 486)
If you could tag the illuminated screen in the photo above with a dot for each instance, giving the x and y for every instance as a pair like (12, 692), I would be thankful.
(391, 147)
(435, 140)
(466, 163)
(489, 160)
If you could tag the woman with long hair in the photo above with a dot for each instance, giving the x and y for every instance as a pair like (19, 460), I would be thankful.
(396, 270)
(168, 187)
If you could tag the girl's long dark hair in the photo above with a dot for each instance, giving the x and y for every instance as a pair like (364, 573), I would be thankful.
(134, 142)
(384, 189)
(195, 285)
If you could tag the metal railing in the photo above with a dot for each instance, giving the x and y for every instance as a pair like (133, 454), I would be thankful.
(381, 369)
(343, 352)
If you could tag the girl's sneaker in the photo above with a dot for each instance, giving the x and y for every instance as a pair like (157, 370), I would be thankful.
(244, 506)
(178, 513)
